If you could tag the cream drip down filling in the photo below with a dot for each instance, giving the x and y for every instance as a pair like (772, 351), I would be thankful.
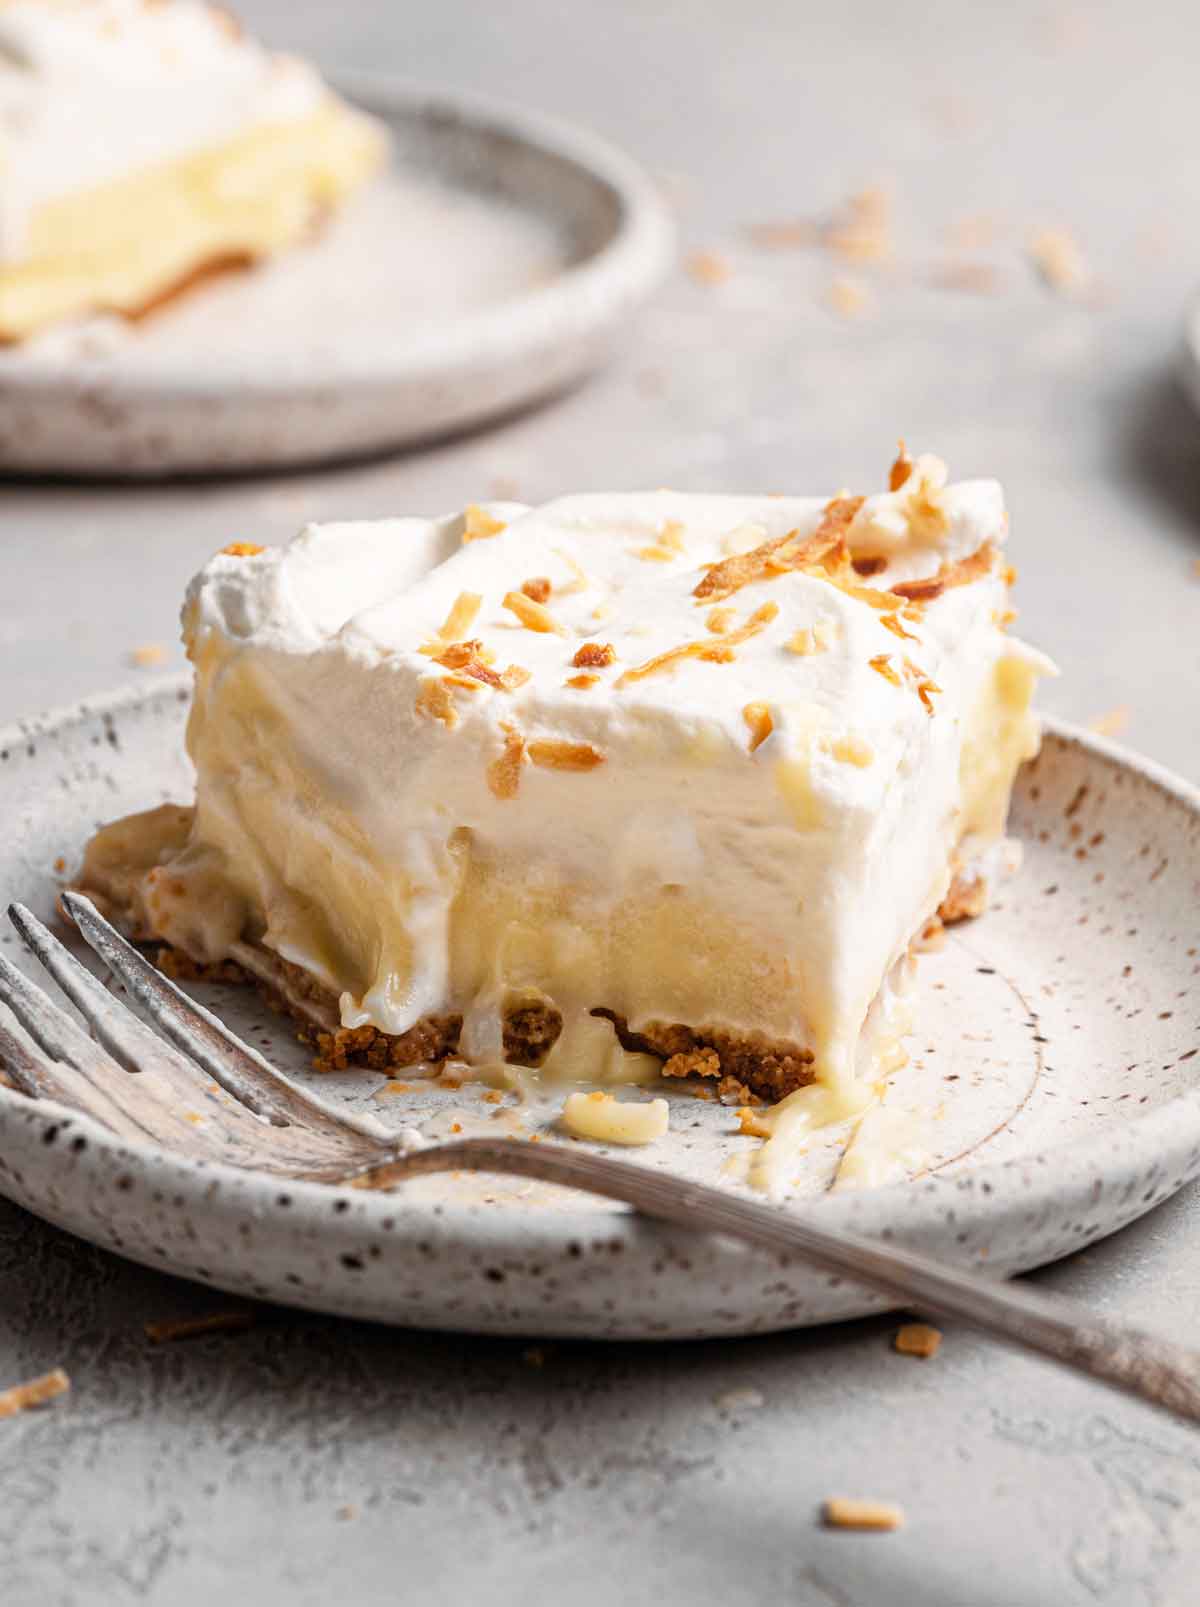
(706, 763)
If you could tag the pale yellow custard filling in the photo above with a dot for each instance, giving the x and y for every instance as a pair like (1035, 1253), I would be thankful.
(123, 245)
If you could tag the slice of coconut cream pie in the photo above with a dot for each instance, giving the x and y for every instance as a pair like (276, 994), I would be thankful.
(146, 142)
(620, 776)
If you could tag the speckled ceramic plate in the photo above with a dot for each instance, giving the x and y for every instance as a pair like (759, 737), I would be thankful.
(1055, 1076)
(496, 263)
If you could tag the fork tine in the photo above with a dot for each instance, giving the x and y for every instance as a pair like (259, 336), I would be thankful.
(175, 1081)
(39, 1076)
(51, 1029)
(238, 1067)
(189, 1026)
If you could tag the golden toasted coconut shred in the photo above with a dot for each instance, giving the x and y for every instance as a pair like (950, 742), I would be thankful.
(779, 555)
(35, 1392)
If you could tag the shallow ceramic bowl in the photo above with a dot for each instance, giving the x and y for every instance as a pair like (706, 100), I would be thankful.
(310, 358)
(1055, 1065)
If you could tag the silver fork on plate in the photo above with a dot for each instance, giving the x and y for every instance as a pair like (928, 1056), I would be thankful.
(206, 1094)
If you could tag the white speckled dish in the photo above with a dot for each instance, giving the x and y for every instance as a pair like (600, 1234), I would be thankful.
(1056, 1064)
(406, 319)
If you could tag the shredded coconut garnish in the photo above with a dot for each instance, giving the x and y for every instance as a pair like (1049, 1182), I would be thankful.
(918, 1339)
(667, 547)
(861, 232)
(594, 656)
(841, 1513)
(479, 525)
(909, 673)
(461, 616)
(581, 683)
(851, 750)
(882, 664)
(719, 620)
(892, 623)
(900, 469)
(758, 717)
(959, 573)
(551, 754)
(779, 555)
(242, 549)
(434, 700)
(1058, 259)
(534, 616)
(708, 267)
(818, 638)
(504, 773)
(719, 652)
(538, 588)
(36, 1392)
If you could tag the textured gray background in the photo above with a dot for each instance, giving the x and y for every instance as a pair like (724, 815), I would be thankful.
(220, 1470)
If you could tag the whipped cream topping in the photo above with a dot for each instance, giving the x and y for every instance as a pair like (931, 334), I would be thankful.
(91, 90)
(736, 807)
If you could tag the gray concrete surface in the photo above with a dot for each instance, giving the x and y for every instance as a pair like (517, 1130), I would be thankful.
(313, 1461)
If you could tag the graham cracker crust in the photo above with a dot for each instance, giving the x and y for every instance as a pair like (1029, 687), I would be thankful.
(746, 1068)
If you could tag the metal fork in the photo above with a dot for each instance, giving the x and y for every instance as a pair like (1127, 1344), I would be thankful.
(207, 1094)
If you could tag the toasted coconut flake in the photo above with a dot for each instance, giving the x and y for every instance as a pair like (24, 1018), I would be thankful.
(552, 754)
(959, 573)
(918, 1339)
(668, 545)
(537, 587)
(436, 702)
(504, 773)
(882, 665)
(892, 623)
(242, 549)
(461, 616)
(464, 655)
(213, 1322)
(901, 469)
(851, 749)
(513, 676)
(841, 1513)
(534, 616)
(1057, 257)
(925, 687)
(850, 299)
(758, 717)
(581, 683)
(720, 652)
(719, 620)
(479, 525)
(861, 231)
(865, 564)
(36, 1392)
(780, 554)
(708, 267)
(594, 656)
(1112, 722)
(818, 638)
(148, 655)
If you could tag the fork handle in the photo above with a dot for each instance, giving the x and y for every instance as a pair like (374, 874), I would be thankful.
(1141, 1364)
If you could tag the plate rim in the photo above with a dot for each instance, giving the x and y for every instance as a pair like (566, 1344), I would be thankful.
(912, 1205)
(625, 271)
